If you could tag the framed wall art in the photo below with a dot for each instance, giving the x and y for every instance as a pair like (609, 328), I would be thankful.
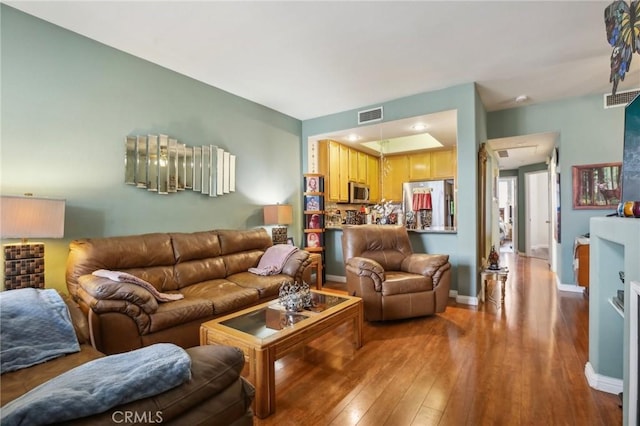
(596, 186)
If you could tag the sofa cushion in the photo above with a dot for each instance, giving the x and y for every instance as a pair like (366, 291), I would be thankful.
(178, 312)
(267, 286)
(404, 282)
(195, 245)
(234, 241)
(197, 271)
(224, 295)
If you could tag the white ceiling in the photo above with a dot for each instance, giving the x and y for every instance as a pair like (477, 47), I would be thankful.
(308, 59)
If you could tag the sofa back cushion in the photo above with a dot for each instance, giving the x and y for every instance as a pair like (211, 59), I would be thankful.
(197, 257)
(243, 249)
(148, 256)
(386, 244)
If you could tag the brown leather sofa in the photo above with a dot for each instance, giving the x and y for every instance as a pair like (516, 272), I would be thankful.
(393, 282)
(216, 394)
(210, 268)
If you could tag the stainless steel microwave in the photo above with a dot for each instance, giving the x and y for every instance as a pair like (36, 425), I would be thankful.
(358, 193)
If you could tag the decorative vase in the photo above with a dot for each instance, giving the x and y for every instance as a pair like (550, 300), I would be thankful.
(294, 297)
(628, 209)
(494, 258)
(636, 209)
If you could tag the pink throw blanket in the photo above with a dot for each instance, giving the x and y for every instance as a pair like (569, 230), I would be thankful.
(132, 279)
(274, 259)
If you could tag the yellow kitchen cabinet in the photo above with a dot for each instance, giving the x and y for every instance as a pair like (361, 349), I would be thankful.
(420, 166)
(344, 173)
(353, 165)
(333, 164)
(373, 178)
(395, 171)
(362, 167)
(443, 164)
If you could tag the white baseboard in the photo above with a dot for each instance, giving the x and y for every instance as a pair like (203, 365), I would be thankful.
(602, 383)
(337, 278)
(467, 300)
(568, 287)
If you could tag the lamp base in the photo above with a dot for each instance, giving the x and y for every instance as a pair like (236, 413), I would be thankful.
(279, 235)
(23, 266)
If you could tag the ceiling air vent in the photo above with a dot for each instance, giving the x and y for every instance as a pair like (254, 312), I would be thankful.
(503, 153)
(620, 99)
(370, 115)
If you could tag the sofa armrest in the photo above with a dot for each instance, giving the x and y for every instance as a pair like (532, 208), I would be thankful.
(296, 264)
(102, 296)
(361, 266)
(101, 288)
(428, 265)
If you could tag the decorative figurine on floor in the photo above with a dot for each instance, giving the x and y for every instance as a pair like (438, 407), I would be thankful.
(494, 259)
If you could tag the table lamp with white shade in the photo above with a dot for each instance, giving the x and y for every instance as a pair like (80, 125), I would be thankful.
(27, 217)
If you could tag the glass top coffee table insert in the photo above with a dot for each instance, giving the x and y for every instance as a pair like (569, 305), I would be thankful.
(267, 332)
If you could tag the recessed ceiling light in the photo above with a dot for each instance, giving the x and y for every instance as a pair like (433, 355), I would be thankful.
(521, 98)
(419, 126)
(353, 137)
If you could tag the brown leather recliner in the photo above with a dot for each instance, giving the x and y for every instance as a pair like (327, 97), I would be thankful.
(393, 282)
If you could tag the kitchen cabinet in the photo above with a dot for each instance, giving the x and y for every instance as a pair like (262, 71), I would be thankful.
(329, 165)
(443, 164)
(362, 166)
(341, 164)
(344, 173)
(373, 178)
(353, 165)
(420, 166)
(357, 166)
(395, 173)
(427, 165)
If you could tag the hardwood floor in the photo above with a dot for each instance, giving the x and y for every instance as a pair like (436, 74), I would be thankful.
(521, 365)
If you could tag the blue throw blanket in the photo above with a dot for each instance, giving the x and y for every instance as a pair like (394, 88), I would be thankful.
(35, 327)
(101, 384)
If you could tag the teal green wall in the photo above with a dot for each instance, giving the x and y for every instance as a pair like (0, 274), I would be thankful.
(589, 134)
(67, 104)
(471, 132)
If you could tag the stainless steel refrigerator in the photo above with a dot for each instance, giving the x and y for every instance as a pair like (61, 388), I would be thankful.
(434, 211)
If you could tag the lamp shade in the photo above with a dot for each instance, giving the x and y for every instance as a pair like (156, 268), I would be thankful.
(278, 214)
(31, 217)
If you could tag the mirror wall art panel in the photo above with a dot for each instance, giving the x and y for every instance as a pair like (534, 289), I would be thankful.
(152, 163)
(163, 164)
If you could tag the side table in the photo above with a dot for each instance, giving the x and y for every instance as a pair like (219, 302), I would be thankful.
(316, 262)
(493, 285)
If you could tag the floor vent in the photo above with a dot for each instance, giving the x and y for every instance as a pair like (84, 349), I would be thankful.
(370, 115)
(620, 99)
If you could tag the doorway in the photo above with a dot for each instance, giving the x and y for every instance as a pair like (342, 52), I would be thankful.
(537, 224)
(508, 213)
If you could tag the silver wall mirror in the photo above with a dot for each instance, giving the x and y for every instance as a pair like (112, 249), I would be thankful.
(162, 164)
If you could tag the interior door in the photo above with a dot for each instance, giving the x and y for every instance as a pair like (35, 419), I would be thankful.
(537, 214)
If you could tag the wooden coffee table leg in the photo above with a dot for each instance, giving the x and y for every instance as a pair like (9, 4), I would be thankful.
(357, 327)
(264, 382)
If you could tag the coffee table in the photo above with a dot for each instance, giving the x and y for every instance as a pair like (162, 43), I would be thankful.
(267, 332)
